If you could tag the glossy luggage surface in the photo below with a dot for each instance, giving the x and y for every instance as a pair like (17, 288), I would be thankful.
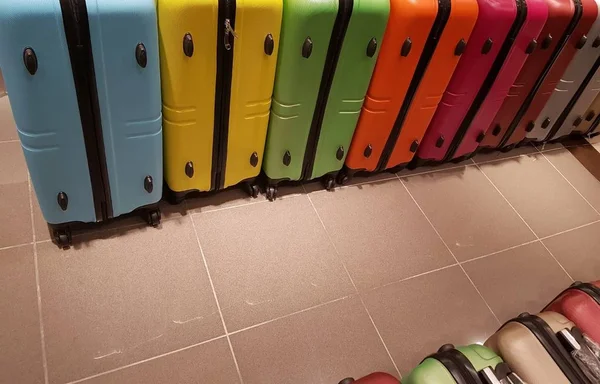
(328, 52)
(416, 113)
(560, 17)
(101, 156)
(525, 43)
(407, 33)
(218, 60)
(582, 115)
(580, 303)
(524, 122)
(373, 378)
(493, 25)
(555, 111)
(533, 347)
(470, 364)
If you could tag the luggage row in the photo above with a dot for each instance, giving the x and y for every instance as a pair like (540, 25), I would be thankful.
(560, 345)
(288, 90)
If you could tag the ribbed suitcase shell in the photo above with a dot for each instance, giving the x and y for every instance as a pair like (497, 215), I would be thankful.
(569, 83)
(581, 305)
(537, 14)
(591, 114)
(128, 98)
(408, 28)
(581, 117)
(526, 122)
(493, 24)
(298, 82)
(189, 88)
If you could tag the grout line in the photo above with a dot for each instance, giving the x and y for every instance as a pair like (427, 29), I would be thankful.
(452, 253)
(354, 285)
(9, 141)
(435, 170)
(15, 246)
(412, 277)
(500, 251)
(237, 367)
(195, 211)
(525, 222)
(569, 230)
(567, 180)
(37, 284)
(145, 360)
(392, 177)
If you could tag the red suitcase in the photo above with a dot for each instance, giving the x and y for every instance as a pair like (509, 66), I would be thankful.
(495, 21)
(561, 21)
(580, 303)
(373, 378)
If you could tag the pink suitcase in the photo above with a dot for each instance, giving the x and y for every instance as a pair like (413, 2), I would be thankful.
(495, 20)
(524, 43)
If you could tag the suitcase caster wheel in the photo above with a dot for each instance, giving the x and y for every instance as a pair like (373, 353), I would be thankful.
(63, 238)
(342, 178)
(347, 380)
(508, 148)
(153, 218)
(253, 190)
(329, 183)
(271, 193)
(446, 347)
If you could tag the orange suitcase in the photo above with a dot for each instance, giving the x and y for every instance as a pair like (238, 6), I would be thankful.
(420, 49)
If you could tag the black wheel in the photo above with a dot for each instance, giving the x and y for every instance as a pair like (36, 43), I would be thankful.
(342, 178)
(253, 190)
(446, 347)
(508, 148)
(174, 199)
(329, 183)
(154, 217)
(62, 237)
(347, 380)
(271, 193)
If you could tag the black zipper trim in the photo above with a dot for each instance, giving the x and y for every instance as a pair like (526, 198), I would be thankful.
(565, 113)
(222, 94)
(444, 7)
(459, 366)
(77, 33)
(333, 54)
(545, 335)
(559, 47)
(489, 80)
(590, 289)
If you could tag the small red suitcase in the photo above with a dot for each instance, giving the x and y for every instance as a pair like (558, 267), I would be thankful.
(580, 303)
(373, 378)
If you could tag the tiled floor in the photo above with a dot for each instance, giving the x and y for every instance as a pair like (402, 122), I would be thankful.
(312, 288)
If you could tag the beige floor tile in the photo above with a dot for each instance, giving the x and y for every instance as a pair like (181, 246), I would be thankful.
(540, 194)
(16, 214)
(483, 157)
(380, 233)
(210, 363)
(40, 226)
(322, 345)
(468, 212)
(269, 260)
(8, 129)
(417, 316)
(434, 168)
(20, 340)
(12, 163)
(122, 297)
(523, 279)
(578, 252)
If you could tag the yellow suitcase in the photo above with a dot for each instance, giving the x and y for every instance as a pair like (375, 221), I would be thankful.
(218, 61)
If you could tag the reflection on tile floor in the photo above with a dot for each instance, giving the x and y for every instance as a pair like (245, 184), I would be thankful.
(312, 288)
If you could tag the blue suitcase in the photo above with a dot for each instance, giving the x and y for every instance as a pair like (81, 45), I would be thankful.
(83, 78)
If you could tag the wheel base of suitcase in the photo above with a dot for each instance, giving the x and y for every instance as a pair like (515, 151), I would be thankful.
(251, 186)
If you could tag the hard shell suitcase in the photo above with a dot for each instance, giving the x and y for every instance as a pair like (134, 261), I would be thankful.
(580, 303)
(474, 364)
(581, 117)
(557, 108)
(535, 347)
(218, 61)
(560, 23)
(328, 52)
(400, 60)
(592, 113)
(525, 43)
(417, 110)
(523, 123)
(373, 378)
(495, 21)
(83, 78)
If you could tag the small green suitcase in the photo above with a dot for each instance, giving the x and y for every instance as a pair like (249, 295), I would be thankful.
(327, 54)
(473, 364)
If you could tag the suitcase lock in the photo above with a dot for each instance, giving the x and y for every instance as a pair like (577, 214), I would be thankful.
(440, 141)
(141, 55)
(30, 60)
(229, 32)
(487, 46)
(496, 130)
(480, 137)
(581, 42)
(547, 41)
(188, 45)
(577, 122)
(368, 151)
(406, 47)
(63, 200)
(460, 47)
(340, 153)
(529, 126)
(414, 146)
(531, 47)
(148, 184)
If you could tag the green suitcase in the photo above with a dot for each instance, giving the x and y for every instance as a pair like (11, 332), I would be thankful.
(327, 54)
(473, 364)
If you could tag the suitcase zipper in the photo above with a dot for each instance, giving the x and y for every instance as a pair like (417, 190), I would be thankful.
(77, 34)
(545, 335)
(460, 368)
(489, 80)
(333, 54)
(559, 47)
(443, 14)
(225, 44)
